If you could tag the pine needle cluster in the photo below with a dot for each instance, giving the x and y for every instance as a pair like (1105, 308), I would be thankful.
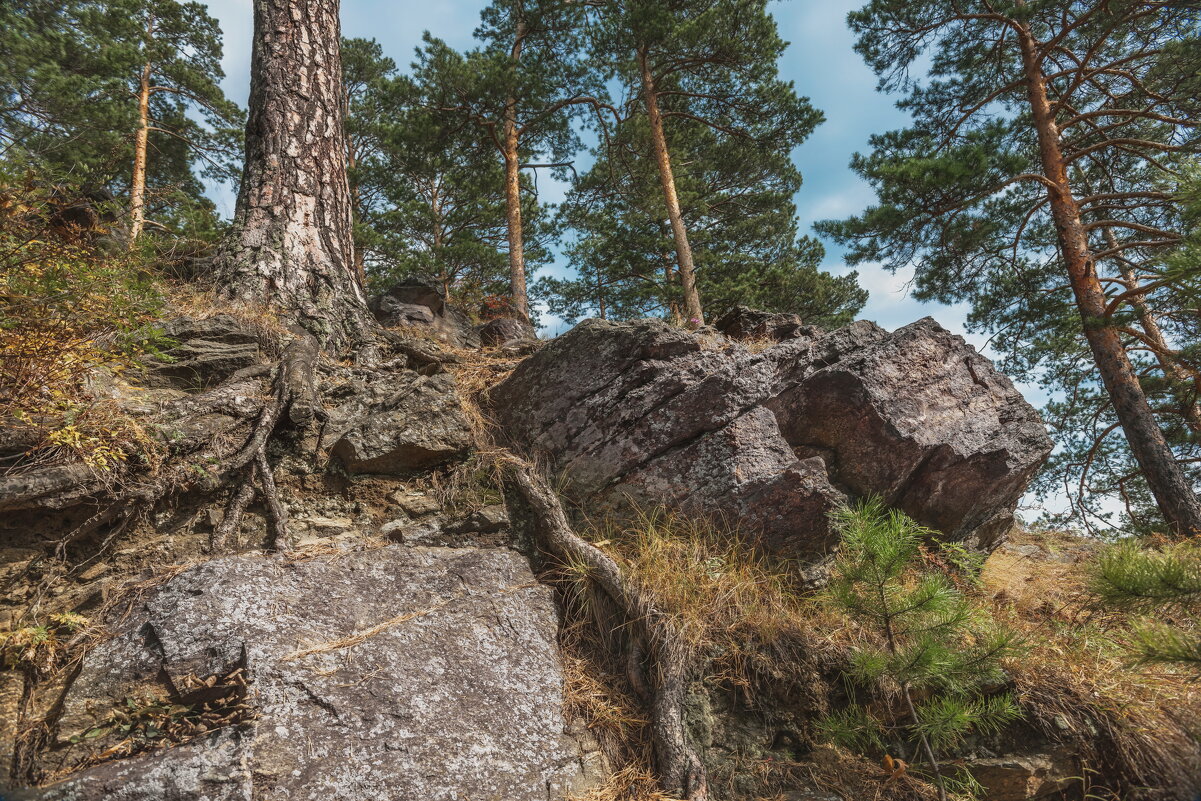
(1165, 583)
(932, 653)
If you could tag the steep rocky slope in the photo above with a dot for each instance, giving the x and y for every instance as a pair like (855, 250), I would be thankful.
(402, 639)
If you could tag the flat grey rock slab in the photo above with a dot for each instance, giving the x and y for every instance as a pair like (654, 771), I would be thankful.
(395, 673)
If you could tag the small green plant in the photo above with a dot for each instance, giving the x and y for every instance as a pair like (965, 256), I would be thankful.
(39, 647)
(930, 650)
(1166, 583)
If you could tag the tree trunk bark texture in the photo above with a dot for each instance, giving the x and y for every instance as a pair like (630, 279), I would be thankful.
(511, 137)
(1173, 494)
(692, 299)
(291, 245)
(141, 140)
(517, 288)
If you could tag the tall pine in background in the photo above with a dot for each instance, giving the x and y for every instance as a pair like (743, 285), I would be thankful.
(365, 72)
(737, 205)
(121, 96)
(522, 88)
(429, 189)
(707, 64)
(1038, 182)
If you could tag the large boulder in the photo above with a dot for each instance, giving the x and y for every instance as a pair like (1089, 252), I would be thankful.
(504, 330)
(399, 672)
(418, 425)
(421, 303)
(648, 414)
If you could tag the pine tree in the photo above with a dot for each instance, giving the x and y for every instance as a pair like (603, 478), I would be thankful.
(931, 640)
(365, 71)
(431, 189)
(122, 95)
(291, 243)
(178, 46)
(991, 194)
(521, 88)
(737, 204)
(708, 63)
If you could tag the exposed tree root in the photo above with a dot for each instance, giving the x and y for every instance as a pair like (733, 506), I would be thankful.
(295, 391)
(277, 513)
(232, 521)
(680, 770)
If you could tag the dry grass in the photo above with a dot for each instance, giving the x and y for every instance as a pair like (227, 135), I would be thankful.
(631, 783)
(202, 302)
(727, 599)
(759, 344)
(708, 579)
(743, 620)
(1136, 729)
(597, 696)
(476, 372)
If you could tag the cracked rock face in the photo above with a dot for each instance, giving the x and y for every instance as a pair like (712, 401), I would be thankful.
(399, 672)
(207, 351)
(419, 425)
(645, 413)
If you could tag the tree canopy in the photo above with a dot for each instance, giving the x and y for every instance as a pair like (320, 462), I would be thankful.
(1040, 183)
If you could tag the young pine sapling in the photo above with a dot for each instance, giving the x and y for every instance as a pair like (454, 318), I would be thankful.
(933, 652)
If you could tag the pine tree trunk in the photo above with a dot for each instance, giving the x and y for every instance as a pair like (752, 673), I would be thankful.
(1173, 494)
(692, 299)
(360, 267)
(513, 221)
(510, 140)
(1159, 346)
(137, 184)
(291, 244)
(444, 275)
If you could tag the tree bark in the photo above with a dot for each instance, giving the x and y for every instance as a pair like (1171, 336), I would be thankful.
(1173, 494)
(692, 299)
(360, 267)
(510, 140)
(291, 245)
(137, 184)
(1191, 412)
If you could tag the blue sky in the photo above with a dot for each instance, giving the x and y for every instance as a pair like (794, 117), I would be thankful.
(819, 61)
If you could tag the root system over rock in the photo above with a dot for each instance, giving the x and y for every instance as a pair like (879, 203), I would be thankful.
(649, 631)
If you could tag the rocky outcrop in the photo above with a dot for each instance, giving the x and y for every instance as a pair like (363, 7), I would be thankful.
(399, 672)
(648, 414)
(742, 322)
(421, 303)
(419, 424)
(505, 330)
(206, 351)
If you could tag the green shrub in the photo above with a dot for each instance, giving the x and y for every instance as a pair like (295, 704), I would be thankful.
(931, 656)
(68, 303)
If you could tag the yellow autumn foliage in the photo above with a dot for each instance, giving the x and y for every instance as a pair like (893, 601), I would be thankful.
(69, 303)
